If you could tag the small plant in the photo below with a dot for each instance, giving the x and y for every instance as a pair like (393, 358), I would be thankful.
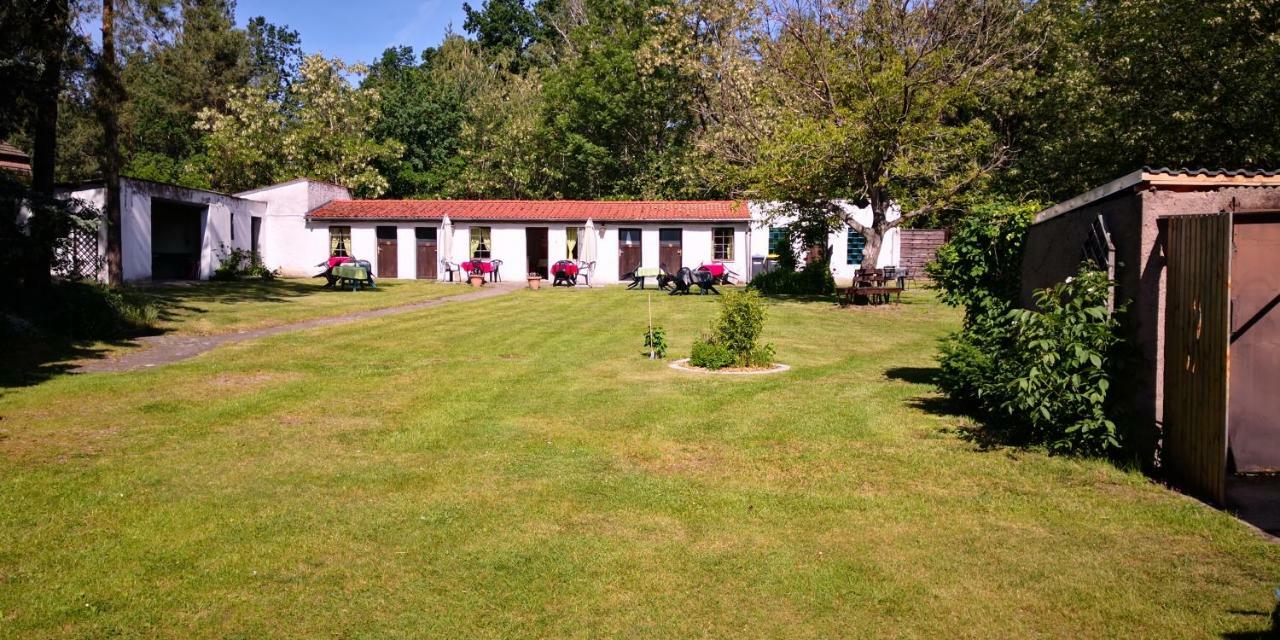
(241, 264)
(655, 342)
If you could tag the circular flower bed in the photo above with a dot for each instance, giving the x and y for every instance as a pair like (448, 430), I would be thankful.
(683, 365)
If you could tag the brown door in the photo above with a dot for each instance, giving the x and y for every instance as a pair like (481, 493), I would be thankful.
(629, 253)
(387, 252)
(1254, 423)
(670, 249)
(426, 244)
(535, 246)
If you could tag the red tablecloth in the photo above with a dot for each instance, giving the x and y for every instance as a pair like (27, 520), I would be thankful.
(716, 270)
(568, 268)
(337, 260)
(485, 266)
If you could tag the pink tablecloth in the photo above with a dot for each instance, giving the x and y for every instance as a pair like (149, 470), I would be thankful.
(485, 266)
(714, 269)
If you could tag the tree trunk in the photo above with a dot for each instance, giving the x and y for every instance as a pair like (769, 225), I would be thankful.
(108, 101)
(871, 250)
(45, 129)
(875, 233)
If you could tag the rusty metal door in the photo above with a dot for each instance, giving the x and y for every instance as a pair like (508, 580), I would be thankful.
(1254, 432)
(387, 255)
(1196, 323)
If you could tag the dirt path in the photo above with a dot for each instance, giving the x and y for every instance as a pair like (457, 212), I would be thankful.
(164, 349)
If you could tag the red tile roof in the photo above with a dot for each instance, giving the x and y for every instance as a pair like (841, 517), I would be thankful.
(533, 210)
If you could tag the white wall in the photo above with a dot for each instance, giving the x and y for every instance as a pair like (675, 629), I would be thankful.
(508, 244)
(766, 215)
(288, 242)
(135, 223)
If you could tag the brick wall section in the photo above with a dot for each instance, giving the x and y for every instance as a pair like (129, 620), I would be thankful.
(919, 248)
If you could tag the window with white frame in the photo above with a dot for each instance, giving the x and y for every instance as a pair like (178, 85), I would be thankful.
(722, 243)
(481, 243)
(339, 241)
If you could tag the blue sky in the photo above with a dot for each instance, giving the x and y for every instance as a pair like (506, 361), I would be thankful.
(359, 31)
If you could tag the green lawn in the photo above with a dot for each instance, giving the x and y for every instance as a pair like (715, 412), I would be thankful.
(220, 307)
(513, 468)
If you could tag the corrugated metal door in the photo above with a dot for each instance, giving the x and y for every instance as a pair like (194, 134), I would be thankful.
(1195, 356)
(1254, 433)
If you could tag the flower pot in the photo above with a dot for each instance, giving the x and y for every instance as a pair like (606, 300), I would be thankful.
(477, 280)
(535, 283)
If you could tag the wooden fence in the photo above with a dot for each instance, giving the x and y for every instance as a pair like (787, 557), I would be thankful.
(1197, 336)
(919, 248)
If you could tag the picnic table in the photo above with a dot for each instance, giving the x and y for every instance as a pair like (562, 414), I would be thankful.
(638, 276)
(353, 275)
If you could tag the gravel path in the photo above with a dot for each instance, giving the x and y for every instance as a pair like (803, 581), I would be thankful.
(164, 349)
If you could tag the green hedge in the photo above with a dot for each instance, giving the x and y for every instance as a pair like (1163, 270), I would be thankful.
(814, 279)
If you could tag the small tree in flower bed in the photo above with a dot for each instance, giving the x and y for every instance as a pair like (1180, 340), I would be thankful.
(735, 335)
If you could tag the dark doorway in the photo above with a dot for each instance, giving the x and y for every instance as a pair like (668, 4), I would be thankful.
(387, 255)
(671, 249)
(425, 238)
(629, 251)
(1254, 414)
(535, 245)
(255, 232)
(176, 232)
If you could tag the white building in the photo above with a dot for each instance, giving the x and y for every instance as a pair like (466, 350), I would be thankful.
(175, 232)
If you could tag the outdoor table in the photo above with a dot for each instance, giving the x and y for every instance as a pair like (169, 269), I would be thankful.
(486, 266)
(716, 270)
(641, 273)
(350, 273)
(564, 272)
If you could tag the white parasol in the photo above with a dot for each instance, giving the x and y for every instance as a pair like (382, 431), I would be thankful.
(446, 240)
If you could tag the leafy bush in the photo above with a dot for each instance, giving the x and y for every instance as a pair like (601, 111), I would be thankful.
(980, 267)
(814, 279)
(709, 355)
(241, 264)
(89, 311)
(735, 334)
(1044, 373)
(655, 342)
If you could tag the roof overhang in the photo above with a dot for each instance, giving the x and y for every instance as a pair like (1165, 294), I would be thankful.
(1146, 176)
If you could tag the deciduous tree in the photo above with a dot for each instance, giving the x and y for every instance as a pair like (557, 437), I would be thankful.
(875, 101)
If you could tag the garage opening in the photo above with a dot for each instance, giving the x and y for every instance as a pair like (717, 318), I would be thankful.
(176, 232)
